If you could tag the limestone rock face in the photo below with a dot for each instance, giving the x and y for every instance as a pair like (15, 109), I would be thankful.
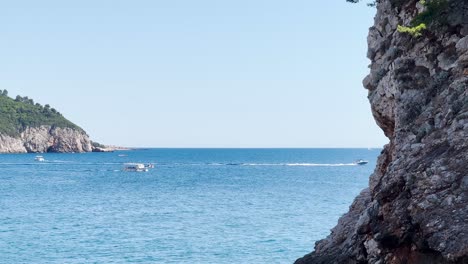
(416, 207)
(11, 145)
(46, 139)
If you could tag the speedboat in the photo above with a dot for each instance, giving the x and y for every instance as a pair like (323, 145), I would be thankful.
(361, 162)
(39, 158)
(138, 167)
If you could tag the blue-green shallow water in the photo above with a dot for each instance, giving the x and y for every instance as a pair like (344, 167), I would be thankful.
(196, 206)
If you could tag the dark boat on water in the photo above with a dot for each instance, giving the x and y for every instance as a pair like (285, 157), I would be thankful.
(361, 162)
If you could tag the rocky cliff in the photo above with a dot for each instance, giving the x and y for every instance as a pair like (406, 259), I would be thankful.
(46, 139)
(26, 126)
(416, 207)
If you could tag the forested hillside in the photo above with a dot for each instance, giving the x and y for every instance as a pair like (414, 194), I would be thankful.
(19, 113)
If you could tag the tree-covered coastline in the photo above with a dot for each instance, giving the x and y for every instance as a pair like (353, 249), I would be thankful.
(22, 112)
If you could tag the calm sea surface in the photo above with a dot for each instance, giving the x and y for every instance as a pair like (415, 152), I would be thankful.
(195, 206)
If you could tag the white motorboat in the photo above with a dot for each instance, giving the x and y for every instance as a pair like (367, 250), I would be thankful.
(361, 162)
(39, 158)
(138, 167)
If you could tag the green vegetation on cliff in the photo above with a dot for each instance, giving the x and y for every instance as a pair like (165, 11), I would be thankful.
(19, 113)
(434, 14)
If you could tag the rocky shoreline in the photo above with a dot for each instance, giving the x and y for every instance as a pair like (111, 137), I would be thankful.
(109, 149)
(51, 139)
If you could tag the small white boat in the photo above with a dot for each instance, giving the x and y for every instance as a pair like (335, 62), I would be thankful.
(138, 167)
(39, 158)
(361, 162)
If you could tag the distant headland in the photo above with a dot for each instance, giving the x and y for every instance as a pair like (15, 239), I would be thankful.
(29, 127)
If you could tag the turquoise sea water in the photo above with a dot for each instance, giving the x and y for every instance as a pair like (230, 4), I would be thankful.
(196, 206)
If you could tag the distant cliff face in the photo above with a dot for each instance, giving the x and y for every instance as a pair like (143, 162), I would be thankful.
(26, 126)
(46, 139)
(416, 207)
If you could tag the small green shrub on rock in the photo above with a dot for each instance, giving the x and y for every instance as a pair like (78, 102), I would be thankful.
(433, 13)
(413, 31)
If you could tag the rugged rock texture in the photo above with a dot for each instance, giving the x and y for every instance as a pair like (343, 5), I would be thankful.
(416, 207)
(46, 139)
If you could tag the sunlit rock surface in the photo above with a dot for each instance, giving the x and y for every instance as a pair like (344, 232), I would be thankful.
(416, 207)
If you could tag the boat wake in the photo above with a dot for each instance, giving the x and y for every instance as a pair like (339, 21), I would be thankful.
(301, 164)
(72, 163)
(217, 164)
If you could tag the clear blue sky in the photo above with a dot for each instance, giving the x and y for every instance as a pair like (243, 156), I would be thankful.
(205, 73)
